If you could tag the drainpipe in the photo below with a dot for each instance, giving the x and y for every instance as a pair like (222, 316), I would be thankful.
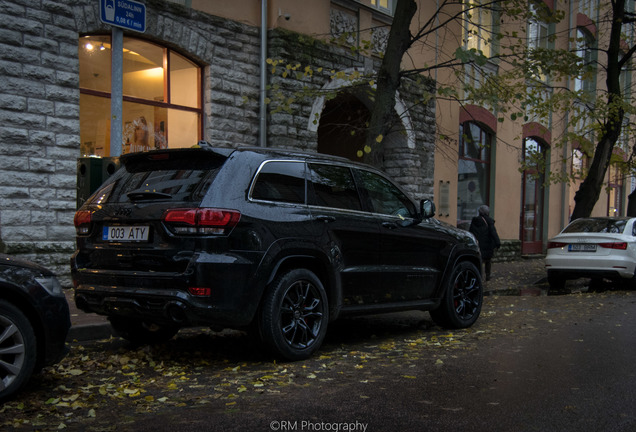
(263, 106)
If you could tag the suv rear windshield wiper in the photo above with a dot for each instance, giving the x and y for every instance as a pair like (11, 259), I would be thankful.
(146, 195)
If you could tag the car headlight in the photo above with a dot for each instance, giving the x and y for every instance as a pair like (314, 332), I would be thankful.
(51, 285)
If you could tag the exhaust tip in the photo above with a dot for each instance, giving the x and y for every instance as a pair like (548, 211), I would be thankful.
(176, 312)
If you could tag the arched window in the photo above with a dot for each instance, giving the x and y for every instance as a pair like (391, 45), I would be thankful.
(161, 97)
(473, 171)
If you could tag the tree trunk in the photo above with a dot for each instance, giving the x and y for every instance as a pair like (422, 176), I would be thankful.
(631, 204)
(590, 190)
(383, 112)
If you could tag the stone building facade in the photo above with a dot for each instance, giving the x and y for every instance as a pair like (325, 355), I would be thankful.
(40, 108)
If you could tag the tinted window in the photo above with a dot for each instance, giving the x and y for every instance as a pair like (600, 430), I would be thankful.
(180, 179)
(596, 226)
(384, 196)
(333, 186)
(280, 181)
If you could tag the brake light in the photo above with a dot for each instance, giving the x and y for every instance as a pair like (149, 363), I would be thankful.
(200, 291)
(201, 221)
(82, 222)
(614, 245)
(556, 245)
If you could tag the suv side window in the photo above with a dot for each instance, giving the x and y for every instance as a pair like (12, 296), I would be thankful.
(384, 196)
(280, 181)
(333, 186)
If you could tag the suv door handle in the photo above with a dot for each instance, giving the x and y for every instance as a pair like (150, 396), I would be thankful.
(325, 218)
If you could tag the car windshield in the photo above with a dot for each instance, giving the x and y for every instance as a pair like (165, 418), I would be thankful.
(596, 226)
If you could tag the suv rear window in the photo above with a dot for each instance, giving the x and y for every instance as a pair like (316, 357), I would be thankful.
(181, 180)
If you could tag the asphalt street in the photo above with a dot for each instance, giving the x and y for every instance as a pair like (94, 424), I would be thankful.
(530, 363)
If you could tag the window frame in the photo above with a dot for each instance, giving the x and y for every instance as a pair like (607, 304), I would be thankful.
(167, 105)
(390, 10)
(366, 194)
(259, 171)
(485, 159)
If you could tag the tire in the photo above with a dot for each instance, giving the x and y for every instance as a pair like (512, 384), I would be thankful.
(292, 321)
(462, 299)
(556, 282)
(18, 349)
(141, 332)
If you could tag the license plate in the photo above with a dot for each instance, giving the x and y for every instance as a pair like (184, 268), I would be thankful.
(125, 233)
(582, 248)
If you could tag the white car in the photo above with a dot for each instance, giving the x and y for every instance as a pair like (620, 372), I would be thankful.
(596, 248)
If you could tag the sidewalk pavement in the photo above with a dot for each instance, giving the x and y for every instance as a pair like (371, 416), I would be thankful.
(523, 277)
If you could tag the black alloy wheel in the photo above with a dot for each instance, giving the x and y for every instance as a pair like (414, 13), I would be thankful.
(294, 315)
(463, 298)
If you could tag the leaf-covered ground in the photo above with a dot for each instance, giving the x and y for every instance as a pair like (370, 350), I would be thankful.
(105, 384)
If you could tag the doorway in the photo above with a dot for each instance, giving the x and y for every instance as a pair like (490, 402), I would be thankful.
(532, 197)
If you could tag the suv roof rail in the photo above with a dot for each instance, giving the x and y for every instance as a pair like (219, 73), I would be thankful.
(202, 144)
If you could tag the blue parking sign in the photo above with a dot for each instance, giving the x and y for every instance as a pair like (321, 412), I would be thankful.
(127, 14)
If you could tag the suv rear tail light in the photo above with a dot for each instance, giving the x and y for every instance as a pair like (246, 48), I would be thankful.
(82, 222)
(201, 221)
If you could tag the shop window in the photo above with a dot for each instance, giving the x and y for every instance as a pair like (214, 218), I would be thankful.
(161, 97)
(473, 178)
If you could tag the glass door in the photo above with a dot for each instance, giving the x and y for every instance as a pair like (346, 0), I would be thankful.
(532, 198)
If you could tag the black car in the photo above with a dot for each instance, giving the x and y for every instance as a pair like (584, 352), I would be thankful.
(34, 322)
(276, 241)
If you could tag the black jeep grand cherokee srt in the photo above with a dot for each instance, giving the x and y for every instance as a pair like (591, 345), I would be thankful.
(276, 241)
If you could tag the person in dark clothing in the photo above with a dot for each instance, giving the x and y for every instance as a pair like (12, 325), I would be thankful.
(483, 227)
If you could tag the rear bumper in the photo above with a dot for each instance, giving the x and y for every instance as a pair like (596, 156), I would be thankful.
(609, 267)
(163, 297)
(161, 306)
(591, 274)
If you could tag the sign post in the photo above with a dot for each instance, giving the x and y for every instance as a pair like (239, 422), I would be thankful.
(121, 14)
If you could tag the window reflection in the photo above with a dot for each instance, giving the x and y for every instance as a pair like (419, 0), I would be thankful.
(162, 97)
(473, 170)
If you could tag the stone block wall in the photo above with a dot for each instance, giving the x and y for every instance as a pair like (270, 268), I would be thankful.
(411, 165)
(39, 130)
(39, 107)
(510, 250)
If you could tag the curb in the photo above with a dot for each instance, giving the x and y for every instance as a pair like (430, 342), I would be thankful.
(87, 332)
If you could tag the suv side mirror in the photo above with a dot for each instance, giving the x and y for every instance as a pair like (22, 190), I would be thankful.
(427, 209)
